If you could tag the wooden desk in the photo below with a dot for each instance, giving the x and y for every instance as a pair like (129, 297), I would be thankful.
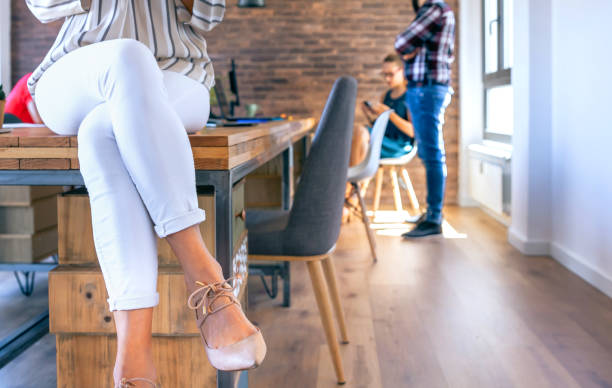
(223, 156)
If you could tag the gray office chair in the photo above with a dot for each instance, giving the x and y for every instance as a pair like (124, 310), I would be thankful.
(366, 170)
(309, 231)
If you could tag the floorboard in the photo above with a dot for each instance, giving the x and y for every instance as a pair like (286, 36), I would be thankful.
(464, 310)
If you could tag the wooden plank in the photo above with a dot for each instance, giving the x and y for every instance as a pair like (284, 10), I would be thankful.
(211, 164)
(38, 152)
(74, 164)
(88, 361)
(75, 243)
(27, 248)
(75, 236)
(223, 137)
(8, 141)
(32, 132)
(24, 195)
(263, 191)
(9, 164)
(44, 141)
(78, 302)
(44, 164)
(42, 214)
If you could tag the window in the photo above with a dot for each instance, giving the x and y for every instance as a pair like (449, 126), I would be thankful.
(498, 59)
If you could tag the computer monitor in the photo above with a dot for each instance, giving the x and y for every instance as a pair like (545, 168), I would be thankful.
(233, 87)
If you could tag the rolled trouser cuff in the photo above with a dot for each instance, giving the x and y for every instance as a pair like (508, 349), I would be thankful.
(134, 303)
(179, 223)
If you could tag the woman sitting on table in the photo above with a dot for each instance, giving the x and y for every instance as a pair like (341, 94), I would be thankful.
(130, 79)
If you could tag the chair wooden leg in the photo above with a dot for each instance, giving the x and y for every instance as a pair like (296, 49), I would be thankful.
(379, 182)
(321, 295)
(410, 189)
(397, 196)
(364, 187)
(366, 223)
(332, 282)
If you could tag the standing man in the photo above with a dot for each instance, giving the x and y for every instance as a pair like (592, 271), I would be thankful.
(427, 48)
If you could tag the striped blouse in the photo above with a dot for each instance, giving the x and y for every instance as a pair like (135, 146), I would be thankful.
(166, 27)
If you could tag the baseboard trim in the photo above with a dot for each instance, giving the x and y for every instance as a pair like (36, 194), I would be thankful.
(577, 265)
(528, 247)
(467, 201)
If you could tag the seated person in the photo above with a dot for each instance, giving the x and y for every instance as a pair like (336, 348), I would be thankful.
(399, 136)
(19, 103)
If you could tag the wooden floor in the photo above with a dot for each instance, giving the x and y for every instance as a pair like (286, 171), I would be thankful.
(464, 310)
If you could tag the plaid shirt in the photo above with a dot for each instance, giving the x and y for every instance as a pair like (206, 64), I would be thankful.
(433, 34)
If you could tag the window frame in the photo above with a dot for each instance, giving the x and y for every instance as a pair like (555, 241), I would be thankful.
(501, 77)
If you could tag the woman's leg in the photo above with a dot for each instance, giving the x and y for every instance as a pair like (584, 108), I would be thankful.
(190, 100)
(156, 158)
(125, 242)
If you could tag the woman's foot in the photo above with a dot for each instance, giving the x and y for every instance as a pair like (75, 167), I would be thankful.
(231, 340)
(226, 326)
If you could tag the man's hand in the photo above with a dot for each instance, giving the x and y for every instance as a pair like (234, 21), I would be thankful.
(188, 4)
(379, 108)
(407, 57)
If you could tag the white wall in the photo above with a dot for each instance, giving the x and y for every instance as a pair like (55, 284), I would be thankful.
(471, 88)
(5, 44)
(562, 156)
(582, 138)
(530, 230)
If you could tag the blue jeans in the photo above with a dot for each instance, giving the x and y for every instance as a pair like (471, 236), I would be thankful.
(427, 105)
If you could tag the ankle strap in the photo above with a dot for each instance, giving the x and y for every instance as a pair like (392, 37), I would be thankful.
(127, 383)
(207, 294)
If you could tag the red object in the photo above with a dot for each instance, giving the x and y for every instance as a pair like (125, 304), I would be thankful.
(17, 101)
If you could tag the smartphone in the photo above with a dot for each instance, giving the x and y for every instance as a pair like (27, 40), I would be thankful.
(367, 103)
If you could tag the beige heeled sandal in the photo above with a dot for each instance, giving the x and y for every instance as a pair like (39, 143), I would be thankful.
(129, 383)
(247, 353)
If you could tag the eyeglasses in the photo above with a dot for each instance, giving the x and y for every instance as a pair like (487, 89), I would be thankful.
(389, 75)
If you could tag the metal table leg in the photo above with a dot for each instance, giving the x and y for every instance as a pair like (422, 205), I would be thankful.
(287, 178)
(288, 186)
(223, 252)
(17, 342)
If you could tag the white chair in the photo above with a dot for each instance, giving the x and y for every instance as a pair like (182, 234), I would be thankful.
(391, 165)
(365, 171)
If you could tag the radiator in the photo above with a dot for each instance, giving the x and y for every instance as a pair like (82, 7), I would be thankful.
(490, 178)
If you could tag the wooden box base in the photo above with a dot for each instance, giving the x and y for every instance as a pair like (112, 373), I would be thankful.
(88, 360)
(28, 248)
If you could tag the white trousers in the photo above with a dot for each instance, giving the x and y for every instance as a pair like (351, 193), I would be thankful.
(134, 154)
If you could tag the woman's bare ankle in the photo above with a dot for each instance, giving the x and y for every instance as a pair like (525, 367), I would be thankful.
(134, 365)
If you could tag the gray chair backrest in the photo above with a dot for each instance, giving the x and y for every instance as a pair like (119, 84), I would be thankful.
(316, 215)
(368, 167)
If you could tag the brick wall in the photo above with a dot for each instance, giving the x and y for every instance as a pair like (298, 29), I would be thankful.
(30, 39)
(288, 55)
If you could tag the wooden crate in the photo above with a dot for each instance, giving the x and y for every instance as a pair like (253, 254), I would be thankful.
(79, 315)
(77, 302)
(76, 245)
(78, 299)
(40, 215)
(88, 361)
(28, 248)
(25, 195)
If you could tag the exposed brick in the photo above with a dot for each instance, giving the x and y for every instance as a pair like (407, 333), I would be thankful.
(288, 55)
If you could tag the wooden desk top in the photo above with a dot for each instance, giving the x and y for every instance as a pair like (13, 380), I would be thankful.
(37, 148)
